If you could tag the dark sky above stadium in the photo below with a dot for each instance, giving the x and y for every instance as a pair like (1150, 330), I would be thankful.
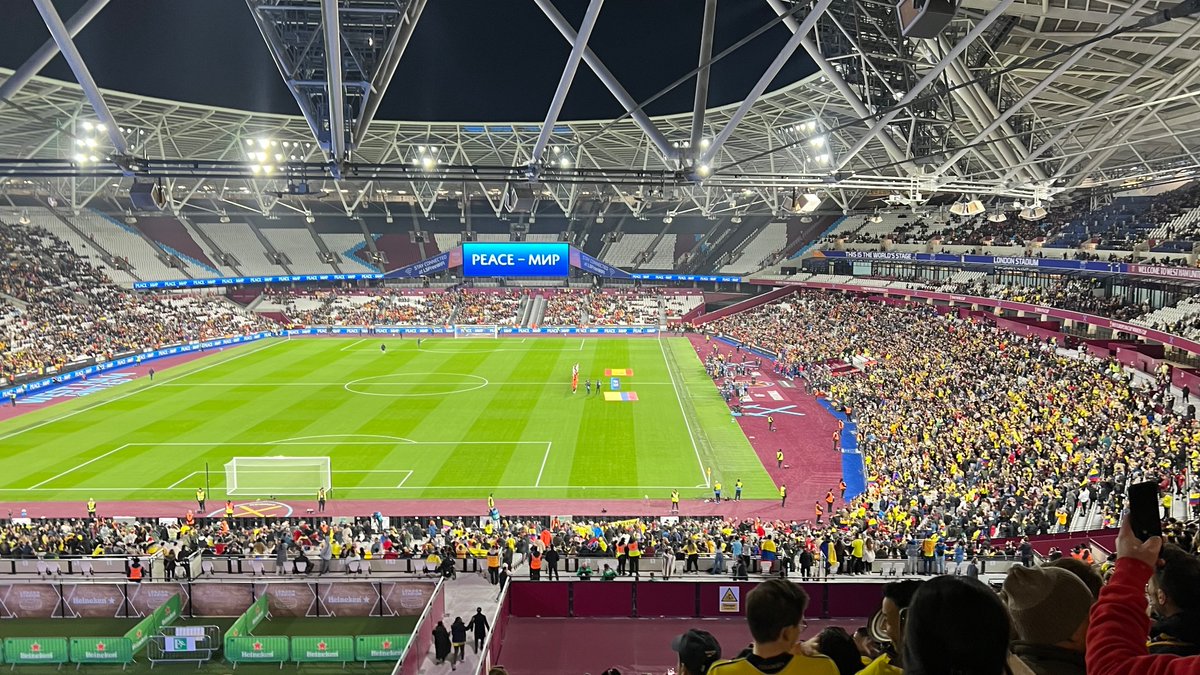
(469, 60)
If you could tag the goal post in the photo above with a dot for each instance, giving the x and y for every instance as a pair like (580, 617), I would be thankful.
(270, 476)
(485, 331)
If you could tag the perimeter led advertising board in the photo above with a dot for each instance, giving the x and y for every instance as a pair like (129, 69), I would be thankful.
(515, 259)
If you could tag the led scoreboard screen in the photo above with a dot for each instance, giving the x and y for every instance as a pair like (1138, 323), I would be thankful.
(516, 259)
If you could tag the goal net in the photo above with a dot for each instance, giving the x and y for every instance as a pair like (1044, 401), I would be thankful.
(476, 331)
(270, 476)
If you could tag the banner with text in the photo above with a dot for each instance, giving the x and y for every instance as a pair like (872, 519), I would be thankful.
(35, 651)
(308, 649)
(101, 650)
(264, 649)
(379, 647)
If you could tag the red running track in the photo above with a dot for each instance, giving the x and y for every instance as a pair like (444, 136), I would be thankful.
(803, 429)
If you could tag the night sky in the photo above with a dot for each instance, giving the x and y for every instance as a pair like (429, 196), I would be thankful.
(469, 60)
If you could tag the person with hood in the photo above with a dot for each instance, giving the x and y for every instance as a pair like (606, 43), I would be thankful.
(458, 641)
(1174, 593)
(1049, 607)
(479, 624)
(441, 643)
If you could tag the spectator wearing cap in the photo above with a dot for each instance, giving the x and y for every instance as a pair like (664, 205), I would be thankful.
(1174, 592)
(697, 651)
(1049, 608)
(775, 615)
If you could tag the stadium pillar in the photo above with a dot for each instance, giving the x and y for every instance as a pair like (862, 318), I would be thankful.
(62, 38)
(34, 64)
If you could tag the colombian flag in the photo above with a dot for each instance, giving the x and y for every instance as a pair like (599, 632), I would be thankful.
(618, 372)
(620, 396)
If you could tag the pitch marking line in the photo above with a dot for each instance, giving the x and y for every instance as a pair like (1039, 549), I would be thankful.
(545, 457)
(406, 487)
(185, 479)
(405, 479)
(350, 346)
(140, 390)
(79, 466)
(387, 384)
(692, 436)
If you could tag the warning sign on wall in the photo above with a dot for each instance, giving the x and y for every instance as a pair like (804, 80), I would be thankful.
(731, 599)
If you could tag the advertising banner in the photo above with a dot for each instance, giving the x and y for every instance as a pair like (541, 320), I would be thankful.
(516, 259)
(339, 648)
(145, 598)
(438, 263)
(101, 650)
(267, 649)
(290, 599)
(406, 598)
(591, 265)
(35, 651)
(379, 647)
(221, 599)
(29, 601)
(94, 601)
(247, 622)
(239, 281)
(349, 599)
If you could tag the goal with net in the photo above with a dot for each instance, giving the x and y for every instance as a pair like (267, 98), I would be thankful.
(270, 476)
(476, 331)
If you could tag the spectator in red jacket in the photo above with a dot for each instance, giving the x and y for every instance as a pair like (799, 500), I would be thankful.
(1116, 638)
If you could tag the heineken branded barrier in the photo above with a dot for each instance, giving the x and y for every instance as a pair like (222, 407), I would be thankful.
(256, 649)
(164, 616)
(314, 649)
(36, 651)
(107, 650)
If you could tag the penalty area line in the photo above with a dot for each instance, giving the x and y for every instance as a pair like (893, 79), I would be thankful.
(79, 466)
(545, 457)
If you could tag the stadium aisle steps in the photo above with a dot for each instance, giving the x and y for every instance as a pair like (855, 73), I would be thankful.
(463, 595)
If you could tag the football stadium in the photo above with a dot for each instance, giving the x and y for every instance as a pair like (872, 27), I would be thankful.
(792, 337)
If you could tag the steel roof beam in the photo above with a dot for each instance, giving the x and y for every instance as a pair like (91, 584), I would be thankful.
(391, 60)
(70, 52)
(1120, 86)
(1038, 88)
(568, 76)
(38, 60)
(610, 81)
(814, 52)
(700, 103)
(925, 81)
(335, 90)
(760, 87)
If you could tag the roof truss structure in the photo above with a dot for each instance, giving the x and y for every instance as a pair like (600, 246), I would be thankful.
(1120, 112)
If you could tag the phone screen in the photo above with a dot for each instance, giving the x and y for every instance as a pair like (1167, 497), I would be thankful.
(1143, 510)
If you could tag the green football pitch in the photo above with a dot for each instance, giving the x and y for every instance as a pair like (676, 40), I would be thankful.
(454, 419)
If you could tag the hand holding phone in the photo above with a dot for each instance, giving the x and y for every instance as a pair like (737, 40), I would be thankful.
(1143, 510)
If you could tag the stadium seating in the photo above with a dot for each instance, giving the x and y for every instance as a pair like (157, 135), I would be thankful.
(348, 247)
(238, 239)
(125, 242)
(297, 244)
(769, 240)
(629, 250)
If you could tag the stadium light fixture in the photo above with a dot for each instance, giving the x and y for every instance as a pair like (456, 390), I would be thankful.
(703, 170)
(875, 218)
(816, 141)
(736, 220)
(24, 219)
(997, 217)
(806, 203)
(967, 207)
(1034, 212)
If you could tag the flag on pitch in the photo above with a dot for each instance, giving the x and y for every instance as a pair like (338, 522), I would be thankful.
(575, 377)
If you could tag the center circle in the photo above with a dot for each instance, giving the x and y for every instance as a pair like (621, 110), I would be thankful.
(402, 385)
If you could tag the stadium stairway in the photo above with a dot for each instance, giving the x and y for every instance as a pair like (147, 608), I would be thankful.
(463, 595)
(536, 313)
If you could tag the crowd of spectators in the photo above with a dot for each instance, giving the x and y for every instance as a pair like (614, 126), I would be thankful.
(564, 308)
(1077, 295)
(382, 307)
(490, 308)
(623, 308)
(57, 309)
(967, 429)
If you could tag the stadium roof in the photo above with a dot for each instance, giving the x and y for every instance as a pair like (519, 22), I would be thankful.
(967, 113)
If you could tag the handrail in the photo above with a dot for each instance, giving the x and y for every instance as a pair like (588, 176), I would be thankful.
(485, 661)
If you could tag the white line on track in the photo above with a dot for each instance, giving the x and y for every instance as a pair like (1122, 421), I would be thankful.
(165, 382)
(544, 458)
(695, 447)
